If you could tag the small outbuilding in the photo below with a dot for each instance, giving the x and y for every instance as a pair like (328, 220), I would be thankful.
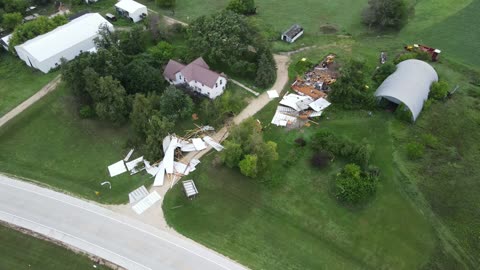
(132, 10)
(409, 84)
(292, 34)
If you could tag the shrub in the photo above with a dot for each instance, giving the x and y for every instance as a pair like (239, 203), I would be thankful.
(430, 140)
(300, 142)
(303, 66)
(415, 150)
(245, 7)
(403, 113)
(86, 112)
(438, 90)
(320, 159)
(386, 14)
(353, 186)
(383, 72)
(420, 55)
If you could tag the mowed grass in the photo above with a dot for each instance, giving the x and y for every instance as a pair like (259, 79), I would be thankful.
(295, 223)
(18, 82)
(49, 143)
(20, 251)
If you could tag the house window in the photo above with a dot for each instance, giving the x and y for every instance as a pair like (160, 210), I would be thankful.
(221, 82)
(216, 84)
(224, 87)
(180, 76)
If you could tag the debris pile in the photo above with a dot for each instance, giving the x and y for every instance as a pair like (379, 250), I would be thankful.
(295, 111)
(315, 83)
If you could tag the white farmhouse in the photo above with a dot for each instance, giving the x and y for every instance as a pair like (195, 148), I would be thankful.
(198, 76)
(131, 9)
(67, 41)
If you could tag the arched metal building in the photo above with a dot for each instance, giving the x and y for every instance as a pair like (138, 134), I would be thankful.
(409, 84)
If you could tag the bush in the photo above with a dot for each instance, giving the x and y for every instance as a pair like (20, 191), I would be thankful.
(353, 186)
(415, 150)
(438, 90)
(245, 7)
(300, 142)
(420, 55)
(86, 112)
(303, 66)
(383, 72)
(165, 3)
(386, 14)
(430, 141)
(320, 159)
(404, 114)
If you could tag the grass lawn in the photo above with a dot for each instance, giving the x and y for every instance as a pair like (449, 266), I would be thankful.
(49, 143)
(296, 224)
(18, 82)
(20, 251)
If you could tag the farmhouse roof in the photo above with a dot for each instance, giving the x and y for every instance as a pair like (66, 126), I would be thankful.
(198, 70)
(66, 36)
(172, 68)
(409, 84)
(129, 5)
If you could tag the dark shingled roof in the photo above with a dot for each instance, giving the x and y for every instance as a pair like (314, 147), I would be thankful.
(197, 70)
(293, 31)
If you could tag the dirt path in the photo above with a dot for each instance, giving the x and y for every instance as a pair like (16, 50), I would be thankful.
(30, 101)
(155, 216)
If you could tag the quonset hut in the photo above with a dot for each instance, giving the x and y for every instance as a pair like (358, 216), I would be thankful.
(409, 84)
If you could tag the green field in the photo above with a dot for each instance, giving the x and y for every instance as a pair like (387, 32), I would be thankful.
(49, 143)
(296, 224)
(20, 251)
(18, 82)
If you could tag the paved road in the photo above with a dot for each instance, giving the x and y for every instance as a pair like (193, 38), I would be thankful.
(96, 230)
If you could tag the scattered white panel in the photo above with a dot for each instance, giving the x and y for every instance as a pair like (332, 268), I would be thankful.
(194, 162)
(319, 104)
(146, 203)
(296, 102)
(117, 168)
(316, 114)
(152, 170)
(280, 119)
(207, 128)
(199, 144)
(213, 143)
(181, 168)
(188, 148)
(170, 155)
(160, 177)
(166, 143)
(128, 155)
(132, 164)
(137, 194)
(190, 188)
(272, 94)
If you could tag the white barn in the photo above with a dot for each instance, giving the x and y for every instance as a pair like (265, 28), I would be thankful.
(198, 76)
(131, 9)
(67, 41)
(409, 84)
(292, 34)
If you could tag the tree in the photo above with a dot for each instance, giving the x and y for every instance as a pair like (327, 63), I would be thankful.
(139, 76)
(439, 90)
(158, 127)
(110, 100)
(11, 6)
(266, 71)
(162, 52)
(353, 186)
(232, 154)
(166, 3)
(245, 7)
(386, 14)
(383, 72)
(133, 42)
(73, 75)
(350, 90)
(320, 159)
(143, 109)
(222, 38)
(248, 166)
(11, 20)
(107, 38)
(175, 104)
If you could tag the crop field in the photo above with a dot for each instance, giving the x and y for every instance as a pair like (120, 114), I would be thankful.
(20, 251)
(18, 82)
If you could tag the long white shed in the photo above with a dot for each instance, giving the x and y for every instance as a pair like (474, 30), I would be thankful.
(67, 41)
(131, 9)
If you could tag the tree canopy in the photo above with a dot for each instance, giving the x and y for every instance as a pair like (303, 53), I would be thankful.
(245, 7)
(386, 14)
(353, 186)
(166, 3)
(11, 20)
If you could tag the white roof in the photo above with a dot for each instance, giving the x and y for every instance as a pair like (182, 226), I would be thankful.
(296, 102)
(117, 168)
(319, 104)
(129, 5)
(281, 119)
(272, 94)
(409, 84)
(63, 37)
(146, 202)
(6, 39)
